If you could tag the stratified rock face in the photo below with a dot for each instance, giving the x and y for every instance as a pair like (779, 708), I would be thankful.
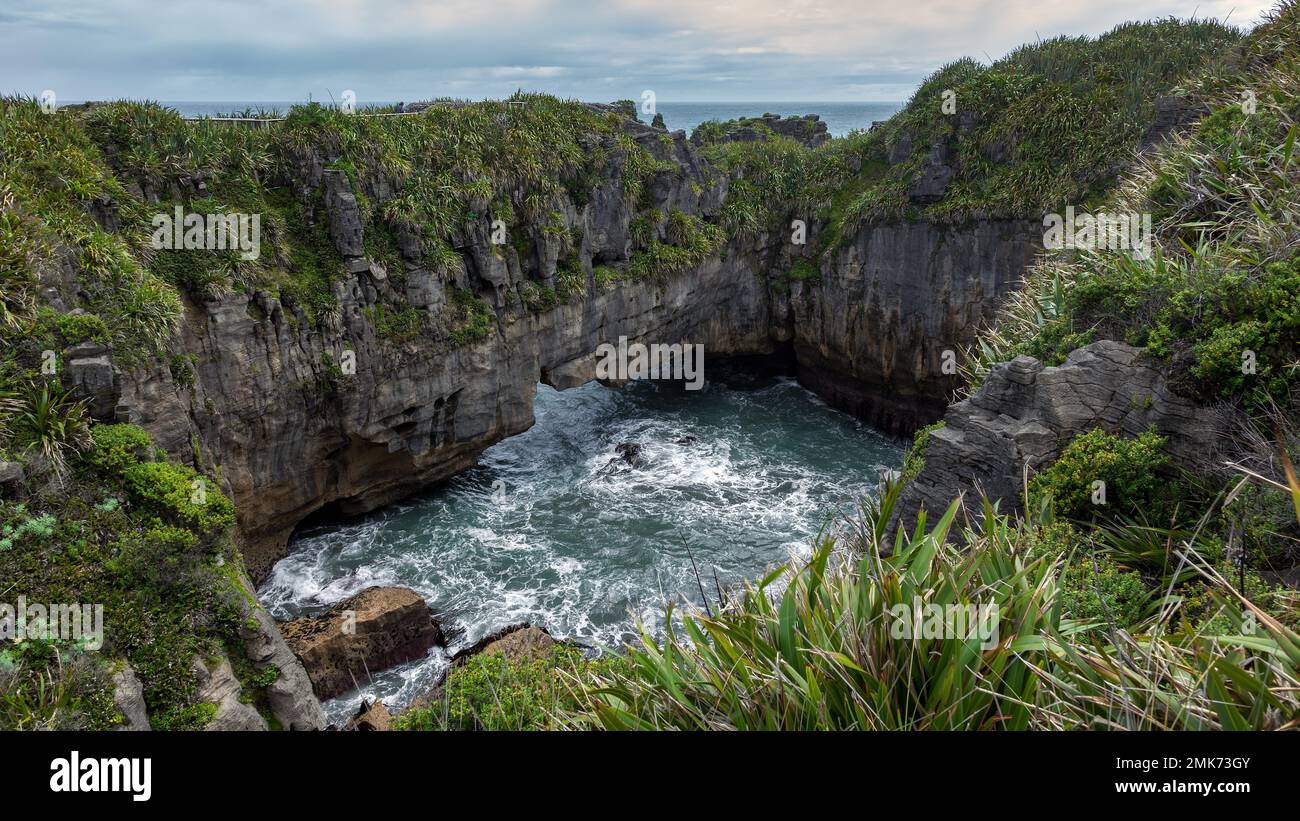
(218, 685)
(90, 372)
(290, 697)
(1024, 414)
(880, 335)
(371, 631)
(292, 437)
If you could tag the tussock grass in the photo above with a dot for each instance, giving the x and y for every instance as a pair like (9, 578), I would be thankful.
(1049, 124)
(814, 647)
(1222, 277)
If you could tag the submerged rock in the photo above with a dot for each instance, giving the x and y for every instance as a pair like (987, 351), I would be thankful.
(376, 629)
(630, 453)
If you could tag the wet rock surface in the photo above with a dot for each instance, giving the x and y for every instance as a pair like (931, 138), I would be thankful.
(371, 631)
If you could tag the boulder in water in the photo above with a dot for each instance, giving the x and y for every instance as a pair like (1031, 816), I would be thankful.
(376, 629)
(373, 716)
(631, 453)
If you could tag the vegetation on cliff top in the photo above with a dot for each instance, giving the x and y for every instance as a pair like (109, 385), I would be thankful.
(78, 190)
(1224, 268)
(1046, 126)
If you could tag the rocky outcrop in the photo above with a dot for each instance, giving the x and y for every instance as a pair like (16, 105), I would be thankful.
(371, 631)
(523, 645)
(11, 478)
(1173, 114)
(807, 129)
(90, 372)
(290, 697)
(293, 434)
(218, 685)
(128, 698)
(1024, 414)
(372, 716)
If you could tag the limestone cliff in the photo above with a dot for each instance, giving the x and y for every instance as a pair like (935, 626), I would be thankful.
(292, 435)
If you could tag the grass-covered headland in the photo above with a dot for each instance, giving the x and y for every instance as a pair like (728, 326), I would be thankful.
(1167, 613)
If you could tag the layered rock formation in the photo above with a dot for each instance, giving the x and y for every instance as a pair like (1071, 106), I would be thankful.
(1024, 414)
(879, 335)
(371, 631)
(292, 434)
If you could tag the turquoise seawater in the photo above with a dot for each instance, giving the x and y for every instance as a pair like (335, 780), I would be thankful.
(556, 528)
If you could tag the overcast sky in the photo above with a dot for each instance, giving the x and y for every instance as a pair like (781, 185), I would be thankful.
(388, 50)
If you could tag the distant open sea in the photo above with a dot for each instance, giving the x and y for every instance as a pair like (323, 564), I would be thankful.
(840, 118)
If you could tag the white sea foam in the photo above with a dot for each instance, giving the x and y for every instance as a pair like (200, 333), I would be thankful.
(584, 543)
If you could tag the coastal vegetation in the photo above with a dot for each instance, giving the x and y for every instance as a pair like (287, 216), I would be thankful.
(1138, 620)
(1046, 126)
(1164, 613)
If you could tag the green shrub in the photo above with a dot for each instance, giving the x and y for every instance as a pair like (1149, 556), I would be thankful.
(914, 459)
(158, 557)
(1128, 467)
(804, 270)
(179, 495)
(1096, 589)
(53, 686)
(190, 717)
(401, 326)
(489, 692)
(118, 447)
(472, 318)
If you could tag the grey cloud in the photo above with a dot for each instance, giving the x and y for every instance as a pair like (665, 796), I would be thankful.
(243, 51)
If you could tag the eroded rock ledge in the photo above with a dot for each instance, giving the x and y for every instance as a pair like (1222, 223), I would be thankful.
(1025, 413)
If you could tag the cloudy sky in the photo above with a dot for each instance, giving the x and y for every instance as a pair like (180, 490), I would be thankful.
(386, 50)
